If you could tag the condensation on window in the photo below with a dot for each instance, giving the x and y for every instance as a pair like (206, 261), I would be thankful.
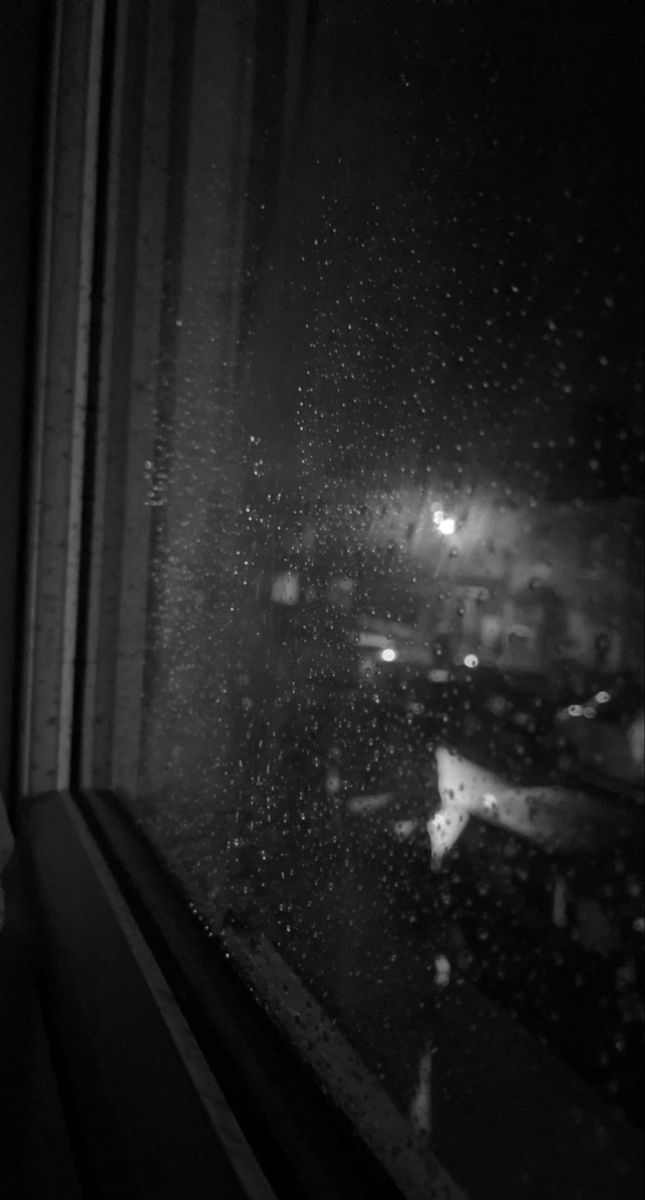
(393, 737)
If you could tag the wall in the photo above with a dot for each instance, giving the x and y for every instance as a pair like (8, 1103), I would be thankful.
(21, 28)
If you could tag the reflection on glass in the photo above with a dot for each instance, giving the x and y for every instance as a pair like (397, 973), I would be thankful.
(433, 680)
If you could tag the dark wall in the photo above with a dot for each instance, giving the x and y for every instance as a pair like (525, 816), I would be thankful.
(22, 25)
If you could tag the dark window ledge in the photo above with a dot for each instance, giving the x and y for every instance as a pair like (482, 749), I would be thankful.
(36, 1158)
(174, 1081)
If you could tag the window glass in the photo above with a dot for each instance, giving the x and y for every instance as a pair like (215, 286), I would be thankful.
(392, 731)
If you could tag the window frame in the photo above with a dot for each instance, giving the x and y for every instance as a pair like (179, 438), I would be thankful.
(107, 293)
(109, 297)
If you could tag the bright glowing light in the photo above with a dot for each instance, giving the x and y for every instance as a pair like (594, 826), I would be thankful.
(447, 525)
(602, 697)
(574, 710)
(389, 655)
(489, 802)
(471, 661)
(438, 517)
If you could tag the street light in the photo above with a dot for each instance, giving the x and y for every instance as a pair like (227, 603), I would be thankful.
(444, 524)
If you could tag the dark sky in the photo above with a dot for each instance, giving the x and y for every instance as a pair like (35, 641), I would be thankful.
(458, 253)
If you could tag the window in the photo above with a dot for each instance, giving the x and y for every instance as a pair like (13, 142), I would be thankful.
(344, 346)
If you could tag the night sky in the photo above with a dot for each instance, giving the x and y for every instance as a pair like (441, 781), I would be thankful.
(447, 273)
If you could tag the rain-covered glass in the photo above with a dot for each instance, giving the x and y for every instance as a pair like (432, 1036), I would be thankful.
(393, 692)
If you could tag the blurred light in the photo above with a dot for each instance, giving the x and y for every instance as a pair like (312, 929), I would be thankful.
(574, 710)
(389, 655)
(364, 804)
(602, 697)
(589, 712)
(444, 829)
(285, 588)
(333, 782)
(471, 661)
(438, 517)
(489, 802)
(441, 970)
(404, 829)
(447, 525)
(439, 676)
